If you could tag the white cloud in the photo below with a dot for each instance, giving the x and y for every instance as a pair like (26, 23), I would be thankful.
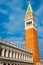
(40, 30)
(16, 23)
(41, 46)
(12, 4)
(40, 10)
(39, 15)
(3, 11)
(0, 37)
(16, 41)
(1, 1)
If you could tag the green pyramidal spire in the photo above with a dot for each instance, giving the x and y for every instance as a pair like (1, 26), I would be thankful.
(29, 9)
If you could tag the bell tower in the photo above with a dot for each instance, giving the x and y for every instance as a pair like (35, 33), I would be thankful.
(31, 37)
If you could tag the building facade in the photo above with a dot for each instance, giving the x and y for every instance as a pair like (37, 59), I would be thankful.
(31, 37)
(12, 55)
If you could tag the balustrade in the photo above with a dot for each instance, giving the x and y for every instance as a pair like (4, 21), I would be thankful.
(15, 55)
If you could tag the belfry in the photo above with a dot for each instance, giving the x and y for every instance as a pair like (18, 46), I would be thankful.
(31, 37)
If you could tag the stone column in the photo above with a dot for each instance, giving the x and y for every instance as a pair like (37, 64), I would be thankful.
(7, 53)
(10, 55)
(10, 64)
(24, 56)
(20, 56)
(14, 64)
(32, 58)
(6, 63)
(3, 51)
(28, 58)
(14, 55)
(17, 55)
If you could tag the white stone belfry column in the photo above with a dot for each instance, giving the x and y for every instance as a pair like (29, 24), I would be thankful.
(7, 52)
(3, 51)
(10, 55)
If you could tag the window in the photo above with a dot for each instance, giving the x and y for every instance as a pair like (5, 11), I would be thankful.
(28, 23)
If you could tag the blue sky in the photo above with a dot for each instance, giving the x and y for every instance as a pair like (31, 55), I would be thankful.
(12, 15)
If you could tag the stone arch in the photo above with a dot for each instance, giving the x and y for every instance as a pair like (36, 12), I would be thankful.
(8, 64)
(4, 64)
(18, 64)
(9, 53)
(12, 64)
(15, 64)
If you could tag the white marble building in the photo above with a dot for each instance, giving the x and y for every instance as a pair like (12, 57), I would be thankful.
(13, 55)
